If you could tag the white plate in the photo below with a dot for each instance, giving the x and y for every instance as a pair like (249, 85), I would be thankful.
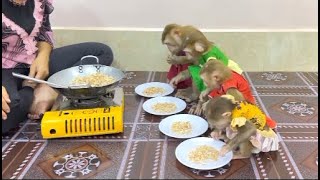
(187, 146)
(147, 106)
(168, 89)
(198, 124)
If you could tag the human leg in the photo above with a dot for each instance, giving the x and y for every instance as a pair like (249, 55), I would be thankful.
(68, 56)
(20, 97)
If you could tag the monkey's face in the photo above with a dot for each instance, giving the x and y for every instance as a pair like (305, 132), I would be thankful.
(194, 50)
(189, 53)
(219, 122)
(218, 112)
(212, 80)
(224, 122)
(172, 45)
(192, 53)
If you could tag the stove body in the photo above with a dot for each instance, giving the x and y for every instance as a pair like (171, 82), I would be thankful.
(89, 117)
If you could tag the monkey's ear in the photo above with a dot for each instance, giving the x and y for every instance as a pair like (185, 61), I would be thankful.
(226, 114)
(199, 47)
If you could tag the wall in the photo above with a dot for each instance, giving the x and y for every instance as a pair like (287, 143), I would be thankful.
(261, 35)
(208, 14)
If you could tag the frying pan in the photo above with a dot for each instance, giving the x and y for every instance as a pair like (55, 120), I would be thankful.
(62, 80)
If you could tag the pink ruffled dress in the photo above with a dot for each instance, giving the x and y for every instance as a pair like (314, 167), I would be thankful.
(19, 47)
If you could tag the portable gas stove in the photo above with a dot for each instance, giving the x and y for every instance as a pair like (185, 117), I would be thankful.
(85, 117)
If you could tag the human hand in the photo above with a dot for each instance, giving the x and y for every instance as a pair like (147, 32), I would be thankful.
(5, 101)
(40, 67)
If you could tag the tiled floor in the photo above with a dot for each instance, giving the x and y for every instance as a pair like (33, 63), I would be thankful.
(143, 152)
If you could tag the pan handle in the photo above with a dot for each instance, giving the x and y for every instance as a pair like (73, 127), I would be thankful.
(36, 80)
(80, 66)
(88, 57)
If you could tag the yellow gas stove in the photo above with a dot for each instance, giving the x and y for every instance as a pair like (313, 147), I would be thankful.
(78, 117)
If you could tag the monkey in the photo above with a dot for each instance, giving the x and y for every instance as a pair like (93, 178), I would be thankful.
(219, 80)
(198, 50)
(176, 56)
(177, 59)
(218, 113)
(242, 125)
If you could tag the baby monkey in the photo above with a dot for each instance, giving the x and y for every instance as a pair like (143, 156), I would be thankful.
(220, 80)
(177, 59)
(242, 125)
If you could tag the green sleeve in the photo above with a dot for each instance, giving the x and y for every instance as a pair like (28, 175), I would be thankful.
(214, 52)
(196, 79)
(220, 55)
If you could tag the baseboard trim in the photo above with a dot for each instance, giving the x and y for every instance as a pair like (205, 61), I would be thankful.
(161, 29)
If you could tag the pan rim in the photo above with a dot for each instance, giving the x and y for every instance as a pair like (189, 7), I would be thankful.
(55, 76)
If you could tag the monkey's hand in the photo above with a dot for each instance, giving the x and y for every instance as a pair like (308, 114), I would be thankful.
(224, 150)
(174, 81)
(198, 110)
(171, 59)
(180, 77)
(215, 135)
(204, 95)
(192, 109)
(204, 106)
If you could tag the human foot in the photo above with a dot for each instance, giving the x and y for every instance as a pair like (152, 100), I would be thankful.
(29, 83)
(44, 97)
